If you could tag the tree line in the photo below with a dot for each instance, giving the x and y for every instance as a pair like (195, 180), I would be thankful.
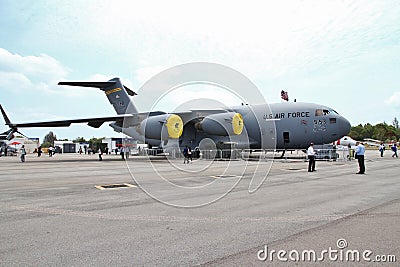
(49, 139)
(381, 131)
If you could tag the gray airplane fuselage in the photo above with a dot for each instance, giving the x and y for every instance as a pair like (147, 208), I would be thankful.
(287, 125)
(296, 125)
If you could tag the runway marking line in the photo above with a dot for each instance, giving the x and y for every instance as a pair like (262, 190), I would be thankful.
(114, 186)
(224, 176)
(294, 169)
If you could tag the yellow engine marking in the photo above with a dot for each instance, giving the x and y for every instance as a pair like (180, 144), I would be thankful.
(237, 123)
(113, 90)
(174, 126)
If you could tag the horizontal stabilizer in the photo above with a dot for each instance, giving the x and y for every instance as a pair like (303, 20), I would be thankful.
(89, 84)
(100, 85)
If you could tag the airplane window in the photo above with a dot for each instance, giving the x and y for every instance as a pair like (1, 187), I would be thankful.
(332, 120)
(318, 112)
(334, 111)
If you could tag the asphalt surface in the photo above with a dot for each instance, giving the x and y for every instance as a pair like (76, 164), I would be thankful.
(51, 213)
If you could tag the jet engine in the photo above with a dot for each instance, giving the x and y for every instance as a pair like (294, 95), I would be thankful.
(162, 127)
(222, 124)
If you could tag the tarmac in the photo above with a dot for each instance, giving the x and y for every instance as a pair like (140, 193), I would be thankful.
(175, 214)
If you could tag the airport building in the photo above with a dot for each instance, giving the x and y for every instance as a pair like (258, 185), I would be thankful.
(114, 143)
(30, 144)
(108, 144)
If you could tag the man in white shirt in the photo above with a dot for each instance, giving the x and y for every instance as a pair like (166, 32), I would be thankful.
(382, 149)
(360, 152)
(311, 158)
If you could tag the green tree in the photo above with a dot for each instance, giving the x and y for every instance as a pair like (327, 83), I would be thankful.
(79, 140)
(49, 139)
(96, 143)
(368, 131)
(356, 132)
(380, 131)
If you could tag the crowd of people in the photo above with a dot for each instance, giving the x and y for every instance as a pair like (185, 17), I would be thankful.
(359, 155)
(124, 152)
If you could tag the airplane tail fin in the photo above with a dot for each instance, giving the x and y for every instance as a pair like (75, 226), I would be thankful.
(117, 93)
(8, 135)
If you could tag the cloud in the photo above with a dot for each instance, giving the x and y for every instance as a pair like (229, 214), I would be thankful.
(13, 81)
(38, 74)
(265, 39)
(394, 100)
(30, 73)
(35, 67)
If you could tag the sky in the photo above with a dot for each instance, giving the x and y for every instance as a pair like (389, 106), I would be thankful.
(342, 54)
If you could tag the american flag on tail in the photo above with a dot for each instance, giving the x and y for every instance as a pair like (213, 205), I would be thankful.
(284, 95)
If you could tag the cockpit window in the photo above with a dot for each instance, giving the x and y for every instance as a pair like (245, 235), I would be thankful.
(324, 112)
(318, 112)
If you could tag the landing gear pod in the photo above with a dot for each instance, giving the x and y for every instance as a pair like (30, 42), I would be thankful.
(162, 127)
(222, 124)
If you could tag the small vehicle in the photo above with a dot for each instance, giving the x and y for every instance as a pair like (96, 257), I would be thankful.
(11, 151)
(326, 152)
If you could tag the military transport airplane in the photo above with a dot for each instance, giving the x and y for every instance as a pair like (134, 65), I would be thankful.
(288, 125)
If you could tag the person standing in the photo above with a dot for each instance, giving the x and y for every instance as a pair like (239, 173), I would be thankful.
(185, 155)
(39, 151)
(311, 158)
(382, 149)
(122, 152)
(127, 152)
(23, 153)
(100, 154)
(394, 149)
(360, 152)
(190, 155)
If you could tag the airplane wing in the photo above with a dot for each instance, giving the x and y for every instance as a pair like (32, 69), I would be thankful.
(128, 119)
(131, 119)
(213, 121)
(93, 122)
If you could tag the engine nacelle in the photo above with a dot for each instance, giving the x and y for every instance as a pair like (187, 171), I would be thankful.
(222, 124)
(162, 127)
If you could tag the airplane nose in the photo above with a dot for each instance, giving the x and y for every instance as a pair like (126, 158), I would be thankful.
(344, 126)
